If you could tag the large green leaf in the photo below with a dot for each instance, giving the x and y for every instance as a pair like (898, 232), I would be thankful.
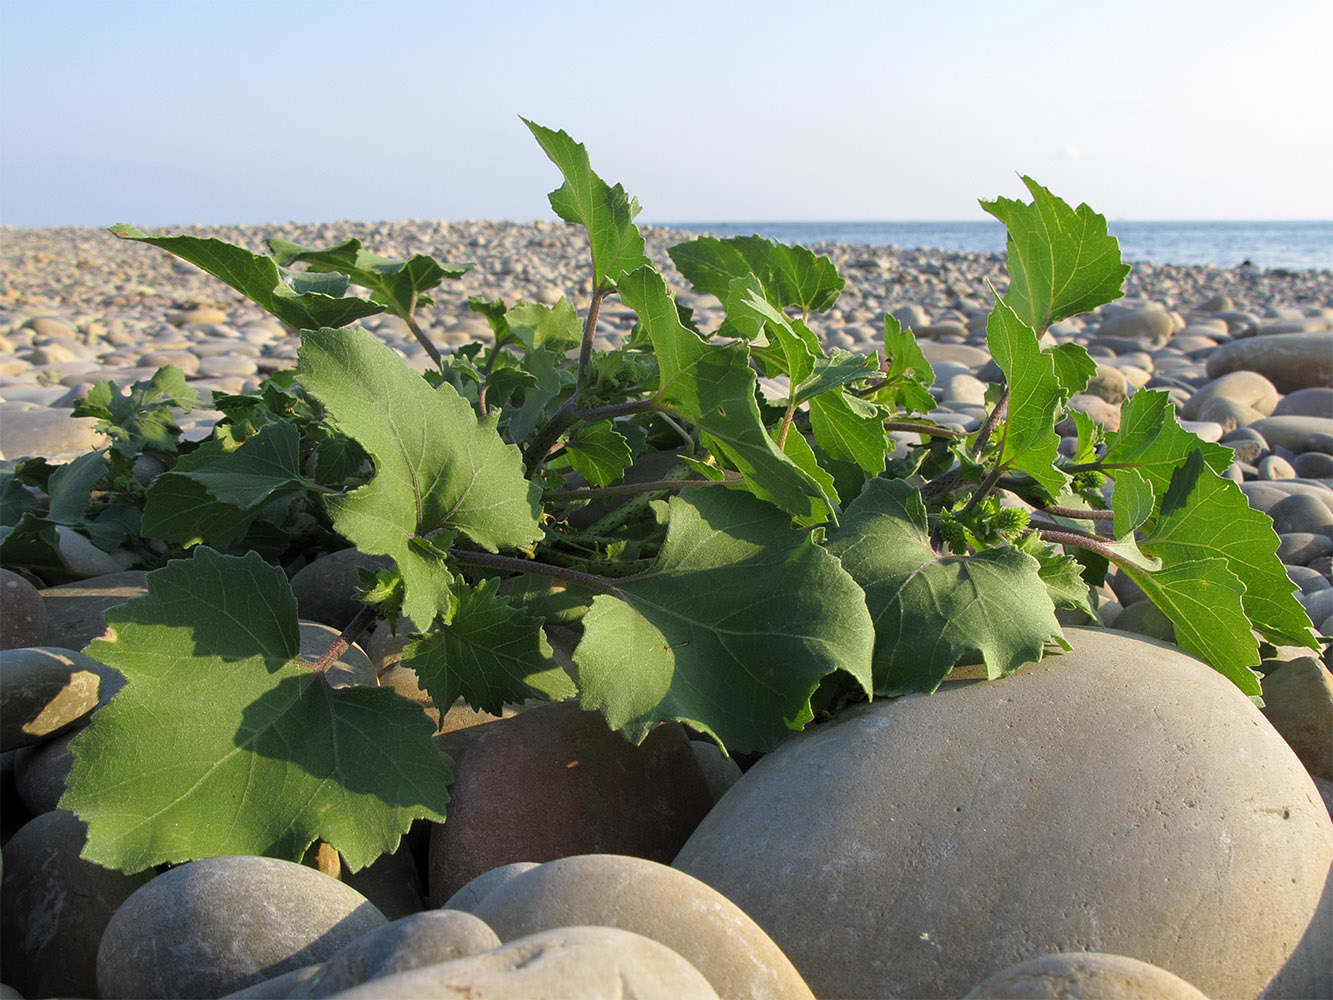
(1030, 442)
(1203, 600)
(1151, 442)
(930, 611)
(585, 199)
(789, 275)
(302, 301)
(713, 386)
(730, 632)
(1205, 519)
(1061, 260)
(396, 283)
(491, 653)
(909, 375)
(224, 742)
(265, 465)
(438, 467)
(215, 492)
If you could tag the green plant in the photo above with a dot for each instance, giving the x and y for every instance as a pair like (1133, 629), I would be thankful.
(788, 560)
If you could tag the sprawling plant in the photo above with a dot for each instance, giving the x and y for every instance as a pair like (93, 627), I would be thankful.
(724, 560)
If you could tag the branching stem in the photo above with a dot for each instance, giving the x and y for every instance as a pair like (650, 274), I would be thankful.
(349, 635)
(930, 430)
(420, 334)
(589, 330)
(488, 560)
(658, 485)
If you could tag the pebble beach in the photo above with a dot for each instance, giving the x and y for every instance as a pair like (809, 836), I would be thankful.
(1246, 355)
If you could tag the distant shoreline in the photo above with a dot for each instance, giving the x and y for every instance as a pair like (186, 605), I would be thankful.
(1278, 245)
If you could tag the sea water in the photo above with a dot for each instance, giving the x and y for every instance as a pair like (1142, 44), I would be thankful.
(1293, 246)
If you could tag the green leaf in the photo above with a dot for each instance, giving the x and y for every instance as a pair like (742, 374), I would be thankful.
(395, 283)
(492, 654)
(1061, 260)
(585, 199)
(262, 468)
(286, 294)
(1203, 599)
(930, 611)
(438, 467)
(839, 368)
(1133, 501)
(557, 328)
(1152, 442)
(537, 402)
(70, 488)
(1074, 367)
(224, 742)
(142, 418)
(850, 429)
(1030, 442)
(792, 348)
(182, 511)
(909, 374)
(713, 386)
(789, 275)
(730, 632)
(599, 452)
(1204, 517)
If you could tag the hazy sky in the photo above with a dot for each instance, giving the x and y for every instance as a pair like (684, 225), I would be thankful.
(170, 112)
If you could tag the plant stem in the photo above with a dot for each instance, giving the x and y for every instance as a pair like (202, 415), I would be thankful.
(786, 425)
(1066, 536)
(992, 421)
(359, 624)
(548, 435)
(625, 409)
(488, 560)
(589, 330)
(420, 334)
(1075, 512)
(930, 430)
(594, 492)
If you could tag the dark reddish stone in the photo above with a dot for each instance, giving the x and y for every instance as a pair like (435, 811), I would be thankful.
(555, 781)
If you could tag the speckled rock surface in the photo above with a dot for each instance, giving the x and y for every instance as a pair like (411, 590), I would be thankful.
(1122, 798)
(218, 925)
(722, 942)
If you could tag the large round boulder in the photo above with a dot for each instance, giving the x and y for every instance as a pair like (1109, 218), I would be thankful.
(1121, 798)
(218, 925)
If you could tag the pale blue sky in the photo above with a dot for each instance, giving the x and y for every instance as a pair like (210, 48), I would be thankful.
(170, 112)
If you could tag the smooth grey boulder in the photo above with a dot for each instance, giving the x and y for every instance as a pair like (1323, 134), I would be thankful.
(469, 896)
(54, 907)
(590, 963)
(1290, 361)
(324, 589)
(1123, 797)
(1292, 431)
(423, 939)
(22, 613)
(1247, 388)
(608, 890)
(215, 926)
(1084, 976)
